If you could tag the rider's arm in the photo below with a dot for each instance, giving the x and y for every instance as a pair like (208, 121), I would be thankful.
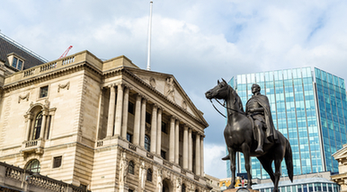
(260, 109)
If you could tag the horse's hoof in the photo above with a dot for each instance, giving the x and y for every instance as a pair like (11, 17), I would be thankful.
(259, 150)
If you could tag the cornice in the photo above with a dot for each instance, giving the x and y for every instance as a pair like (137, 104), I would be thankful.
(51, 75)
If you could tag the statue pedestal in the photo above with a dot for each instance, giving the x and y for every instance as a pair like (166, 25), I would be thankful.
(240, 190)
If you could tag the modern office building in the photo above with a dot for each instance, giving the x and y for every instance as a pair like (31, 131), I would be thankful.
(309, 108)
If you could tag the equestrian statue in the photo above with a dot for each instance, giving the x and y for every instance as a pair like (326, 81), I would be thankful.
(252, 133)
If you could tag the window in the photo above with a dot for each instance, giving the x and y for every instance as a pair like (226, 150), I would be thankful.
(130, 137)
(147, 143)
(44, 91)
(149, 175)
(34, 166)
(17, 63)
(131, 108)
(183, 188)
(57, 161)
(131, 168)
(130, 190)
(163, 127)
(148, 118)
(37, 126)
(163, 154)
(83, 187)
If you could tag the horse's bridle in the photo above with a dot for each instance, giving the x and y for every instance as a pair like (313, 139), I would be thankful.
(223, 105)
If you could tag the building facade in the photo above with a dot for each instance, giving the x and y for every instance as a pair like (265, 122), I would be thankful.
(309, 108)
(341, 177)
(102, 125)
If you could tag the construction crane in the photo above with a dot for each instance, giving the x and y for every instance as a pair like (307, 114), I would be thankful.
(66, 52)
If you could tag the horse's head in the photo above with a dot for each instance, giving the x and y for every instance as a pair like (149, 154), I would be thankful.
(220, 91)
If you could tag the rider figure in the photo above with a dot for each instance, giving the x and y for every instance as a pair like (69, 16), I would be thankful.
(258, 107)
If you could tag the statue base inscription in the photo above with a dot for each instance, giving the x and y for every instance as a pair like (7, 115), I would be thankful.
(240, 190)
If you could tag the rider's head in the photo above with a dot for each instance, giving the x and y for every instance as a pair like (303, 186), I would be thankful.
(255, 88)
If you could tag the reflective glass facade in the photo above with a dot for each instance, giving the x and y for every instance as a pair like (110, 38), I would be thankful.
(309, 108)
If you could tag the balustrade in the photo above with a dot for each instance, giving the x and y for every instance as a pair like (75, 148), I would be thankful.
(48, 66)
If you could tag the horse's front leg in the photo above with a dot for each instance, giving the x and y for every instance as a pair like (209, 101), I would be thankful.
(232, 156)
(246, 154)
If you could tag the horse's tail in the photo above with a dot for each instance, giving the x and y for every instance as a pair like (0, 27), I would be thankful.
(289, 160)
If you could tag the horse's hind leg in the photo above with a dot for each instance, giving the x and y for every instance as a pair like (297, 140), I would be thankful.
(232, 156)
(266, 163)
(278, 161)
(246, 154)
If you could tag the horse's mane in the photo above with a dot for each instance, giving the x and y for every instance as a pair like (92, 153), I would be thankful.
(237, 99)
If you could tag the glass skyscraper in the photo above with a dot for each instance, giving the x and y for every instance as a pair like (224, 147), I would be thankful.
(309, 108)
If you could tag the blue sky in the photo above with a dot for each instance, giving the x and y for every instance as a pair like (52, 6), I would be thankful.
(196, 41)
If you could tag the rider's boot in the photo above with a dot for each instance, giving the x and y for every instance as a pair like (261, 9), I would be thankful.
(226, 158)
(260, 141)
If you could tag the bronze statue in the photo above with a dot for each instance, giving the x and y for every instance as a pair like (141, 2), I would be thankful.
(245, 132)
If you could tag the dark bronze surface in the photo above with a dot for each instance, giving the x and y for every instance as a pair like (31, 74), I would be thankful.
(252, 133)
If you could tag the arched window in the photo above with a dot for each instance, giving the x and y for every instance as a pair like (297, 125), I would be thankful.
(147, 143)
(149, 175)
(131, 168)
(34, 166)
(183, 188)
(37, 126)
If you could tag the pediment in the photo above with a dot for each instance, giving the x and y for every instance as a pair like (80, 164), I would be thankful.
(342, 153)
(168, 86)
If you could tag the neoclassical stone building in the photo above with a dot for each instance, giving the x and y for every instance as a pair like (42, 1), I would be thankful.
(103, 125)
(341, 177)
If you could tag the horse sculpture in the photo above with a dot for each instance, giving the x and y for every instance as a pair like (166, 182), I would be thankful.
(239, 137)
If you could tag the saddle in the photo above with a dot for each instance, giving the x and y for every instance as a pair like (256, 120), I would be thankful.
(255, 132)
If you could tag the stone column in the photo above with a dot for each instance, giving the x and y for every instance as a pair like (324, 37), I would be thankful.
(185, 147)
(154, 129)
(119, 109)
(43, 124)
(202, 155)
(100, 114)
(190, 150)
(159, 132)
(172, 140)
(177, 142)
(125, 113)
(111, 107)
(137, 119)
(28, 120)
(197, 154)
(143, 123)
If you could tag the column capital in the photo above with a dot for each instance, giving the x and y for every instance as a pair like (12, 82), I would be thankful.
(155, 105)
(111, 85)
(120, 84)
(28, 116)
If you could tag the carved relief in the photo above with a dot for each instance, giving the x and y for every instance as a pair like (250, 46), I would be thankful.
(159, 180)
(123, 168)
(184, 105)
(152, 82)
(178, 183)
(62, 86)
(142, 175)
(170, 89)
(123, 171)
(26, 97)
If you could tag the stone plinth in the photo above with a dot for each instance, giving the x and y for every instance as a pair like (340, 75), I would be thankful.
(234, 190)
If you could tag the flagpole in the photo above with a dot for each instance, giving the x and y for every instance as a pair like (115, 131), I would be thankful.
(149, 36)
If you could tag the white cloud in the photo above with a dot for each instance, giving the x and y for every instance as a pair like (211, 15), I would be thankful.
(213, 164)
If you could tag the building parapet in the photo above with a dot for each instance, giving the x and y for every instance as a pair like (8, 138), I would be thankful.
(16, 178)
